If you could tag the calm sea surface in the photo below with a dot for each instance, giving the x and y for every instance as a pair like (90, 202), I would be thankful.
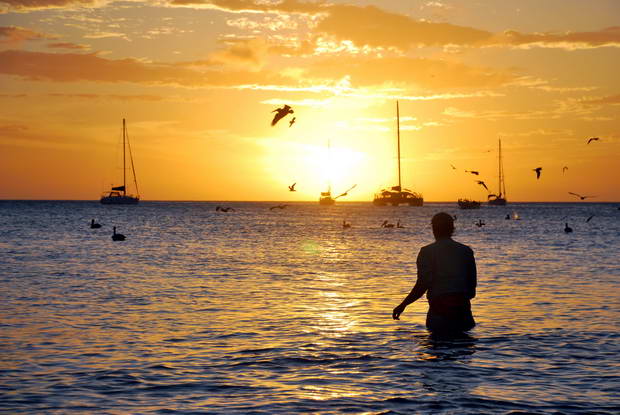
(282, 311)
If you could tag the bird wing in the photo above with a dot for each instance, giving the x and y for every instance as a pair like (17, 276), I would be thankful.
(574, 194)
(347, 191)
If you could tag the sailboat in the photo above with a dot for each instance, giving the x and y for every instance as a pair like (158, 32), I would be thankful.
(118, 195)
(396, 195)
(500, 198)
(326, 198)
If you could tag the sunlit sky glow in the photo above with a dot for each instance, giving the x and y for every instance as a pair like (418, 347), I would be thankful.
(197, 81)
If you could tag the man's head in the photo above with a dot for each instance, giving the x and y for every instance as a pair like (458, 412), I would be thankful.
(443, 225)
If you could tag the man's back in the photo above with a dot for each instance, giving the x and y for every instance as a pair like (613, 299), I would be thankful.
(447, 267)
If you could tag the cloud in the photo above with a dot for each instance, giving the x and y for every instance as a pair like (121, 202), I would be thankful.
(426, 73)
(13, 36)
(26, 5)
(609, 37)
(68, 45)
(608, 100)
(74, 67)
(243, 52)
(110, 96)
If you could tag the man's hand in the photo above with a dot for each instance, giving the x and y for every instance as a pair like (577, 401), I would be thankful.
(398, 310)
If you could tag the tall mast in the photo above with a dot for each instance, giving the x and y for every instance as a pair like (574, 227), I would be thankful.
(398, 145)
(124, 170)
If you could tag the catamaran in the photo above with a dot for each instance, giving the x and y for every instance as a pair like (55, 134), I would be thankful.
(500, 198)
(396, 195)
(118, 195)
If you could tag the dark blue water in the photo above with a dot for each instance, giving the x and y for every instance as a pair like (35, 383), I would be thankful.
(282, 311)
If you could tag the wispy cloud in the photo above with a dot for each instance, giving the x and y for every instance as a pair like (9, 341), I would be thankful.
(13, 36)
(68, 45)
(609, 37)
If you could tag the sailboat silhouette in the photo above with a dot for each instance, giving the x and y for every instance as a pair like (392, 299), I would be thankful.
(118, 195)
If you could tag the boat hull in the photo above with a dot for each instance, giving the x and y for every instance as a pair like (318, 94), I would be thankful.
(500, 201)
(397, 199)
(468, 204)
(326, 201)
(119, 200)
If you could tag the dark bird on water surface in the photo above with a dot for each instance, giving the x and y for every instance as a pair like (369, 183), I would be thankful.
(537, 170)
(291, 122)
(398, 225)
(507, 216)
(480, 223)
(564, 169)
(386, 224)
(94, 225)
(291, 188)
(579, 196)
(567, 228)
(592, 139)
(281, 113)
(224, 209)
(345, 224)
(472, 172)
(278, 207)
(117, 236)
(589, 219)
(481, 183)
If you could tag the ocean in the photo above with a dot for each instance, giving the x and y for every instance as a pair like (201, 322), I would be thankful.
(282, 311)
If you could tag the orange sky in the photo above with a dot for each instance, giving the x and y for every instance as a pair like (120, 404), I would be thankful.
(197, 81)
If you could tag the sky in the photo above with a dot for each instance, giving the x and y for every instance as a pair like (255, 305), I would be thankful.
(197, 81)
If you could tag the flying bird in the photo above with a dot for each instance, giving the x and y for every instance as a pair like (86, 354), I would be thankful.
(472, 172)
(291, 188)
(291, 122)
(278, 207)
(453, 168)
(592, 139)
(589, 219)
(481, 183)
(537, 170)
(579, 196)
(346, 192)
(564, 169)
(281, 113)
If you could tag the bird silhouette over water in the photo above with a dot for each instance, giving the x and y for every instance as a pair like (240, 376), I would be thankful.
(291, 122)
(224, 209)
(589, 219)
(507, 216)
(281, 113)
(346, 192)
(481, 183)
(278, 207)
(291, 188)
(398, 225)
(94, 225)
(579, 196)
(592, 139)
(537, 170)
(480, 223)
(567, 228)
(345, 224)
(453, 168)
(386, 224)
(117, 236)
(472, 172)
(564, 169)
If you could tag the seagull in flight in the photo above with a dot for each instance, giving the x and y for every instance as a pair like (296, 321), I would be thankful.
(346, 192)
(537, 170)
(453, 168)
(278, 207)
(579, 196)
(291, 188)
(281, 113)
(589, 219)
(592, 139)
(481, 183)
(472, 172)
(291, 122)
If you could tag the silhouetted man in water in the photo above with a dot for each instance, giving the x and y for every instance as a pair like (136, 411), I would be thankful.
(447, 274)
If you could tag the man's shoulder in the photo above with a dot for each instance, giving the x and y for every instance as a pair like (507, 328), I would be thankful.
(444, 242)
